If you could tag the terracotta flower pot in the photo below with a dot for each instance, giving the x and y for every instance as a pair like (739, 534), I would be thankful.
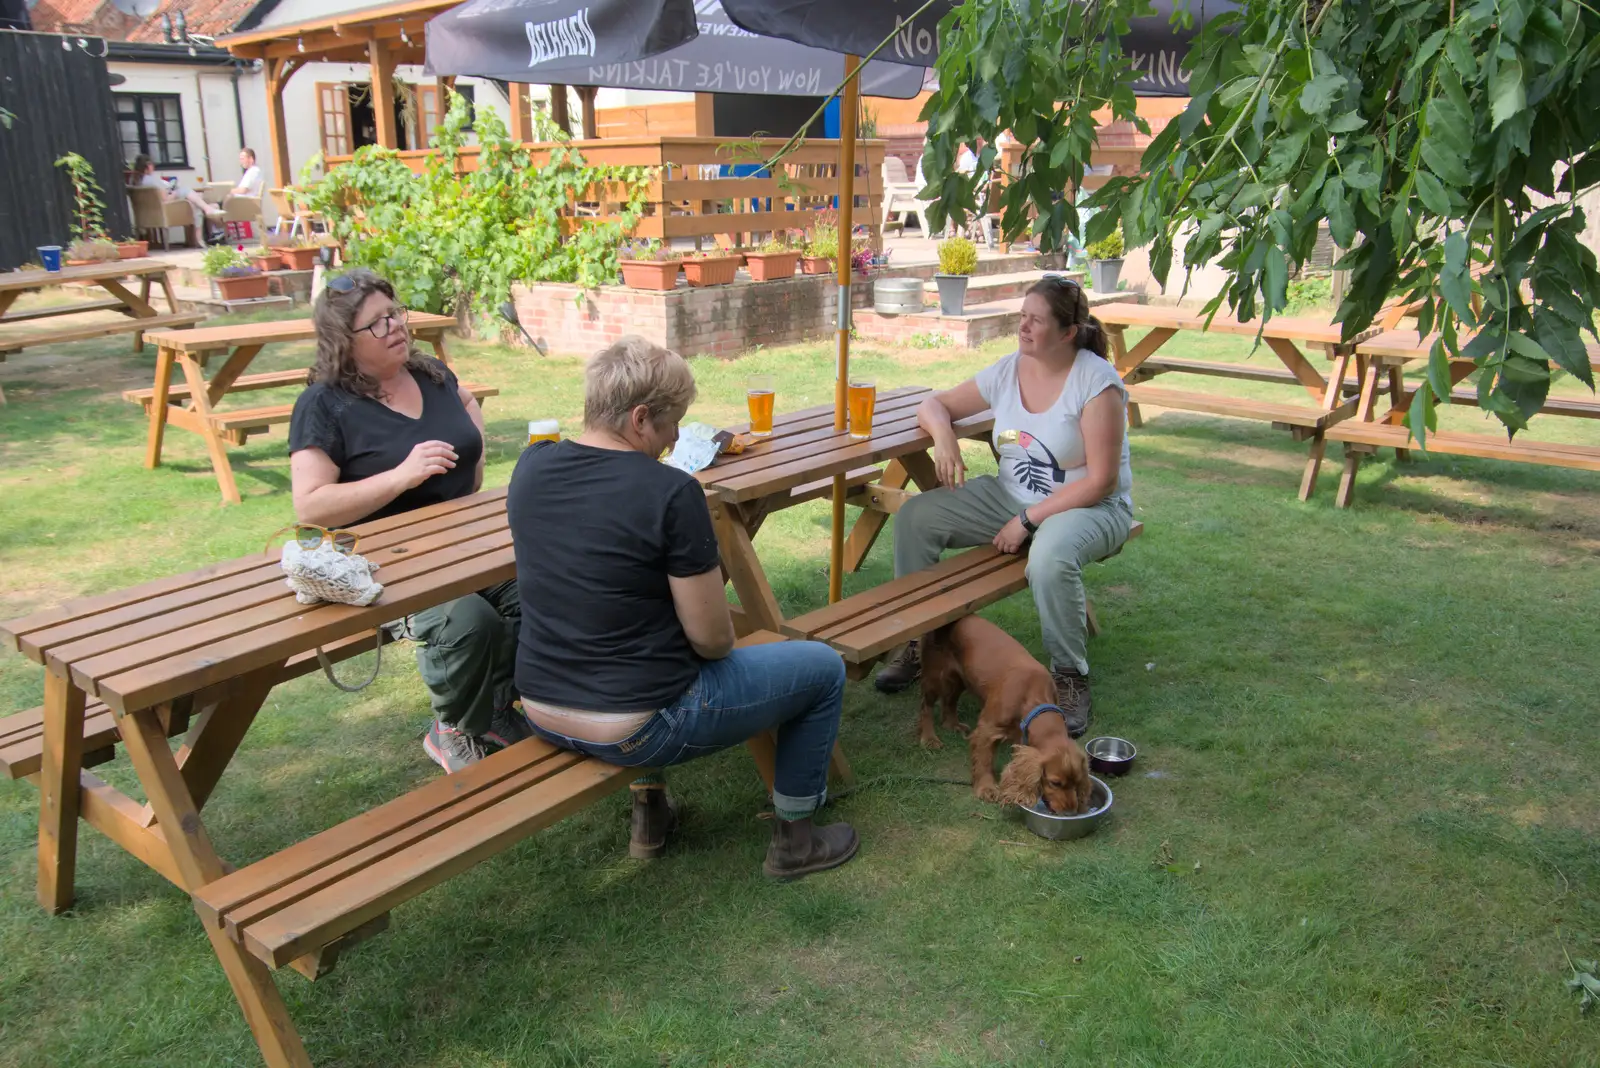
(248, 287)
(133, 250)
(711, 270)
(816, 265)
(770, 266)
(299, 259)
(649, 274)
(267, 263)
(79, 263)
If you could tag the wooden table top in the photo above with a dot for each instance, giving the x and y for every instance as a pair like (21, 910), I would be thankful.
(804, 447)
(1284, 327)
(94, 272)
(215, 338)
(138, 647)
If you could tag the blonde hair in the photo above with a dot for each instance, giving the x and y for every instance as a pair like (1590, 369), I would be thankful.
(630, 372)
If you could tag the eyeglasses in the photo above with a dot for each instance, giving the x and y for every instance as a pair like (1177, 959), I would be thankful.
(384, 324)
(309, 536)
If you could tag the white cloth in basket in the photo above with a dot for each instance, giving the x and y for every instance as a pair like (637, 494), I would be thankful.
(325, 574)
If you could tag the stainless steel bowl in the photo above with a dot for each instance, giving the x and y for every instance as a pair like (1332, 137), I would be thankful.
(1110, 756)
(1060, 827)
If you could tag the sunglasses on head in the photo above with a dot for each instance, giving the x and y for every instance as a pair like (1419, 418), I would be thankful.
(342, 283)
(309, 536)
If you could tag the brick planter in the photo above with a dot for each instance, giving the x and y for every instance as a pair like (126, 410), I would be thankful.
(771, 266)
(649, 274)
(711, 270)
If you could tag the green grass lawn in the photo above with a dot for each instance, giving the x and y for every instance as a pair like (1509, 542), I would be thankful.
(1362, 830)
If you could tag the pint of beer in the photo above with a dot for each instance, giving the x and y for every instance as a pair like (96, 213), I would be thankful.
(862, 400)
(762, 395)
(543, 430)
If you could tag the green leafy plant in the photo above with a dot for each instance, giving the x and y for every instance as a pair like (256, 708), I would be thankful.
(867, 128)
(1310, 291)
(220, 258)
(98, 248)
(778, 242)
(1443, 141)
(957, 255)
(1109, 247)
(1584, 981)
(647, 249)
(261, 252)
(88, 209)
(449, 237)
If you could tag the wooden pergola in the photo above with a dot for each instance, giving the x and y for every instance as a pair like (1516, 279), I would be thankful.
(385, 37)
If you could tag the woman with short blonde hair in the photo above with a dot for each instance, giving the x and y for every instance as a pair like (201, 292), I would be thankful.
(626, 649)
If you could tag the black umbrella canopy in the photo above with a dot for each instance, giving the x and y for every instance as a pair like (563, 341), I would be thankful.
(859, 26)
(494, 37)
(718, 58)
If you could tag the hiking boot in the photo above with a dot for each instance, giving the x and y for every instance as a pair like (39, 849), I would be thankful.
(1072, 695)
(507, 727)
(655, 817)
(800, 848)
(451, 749)
(902, 671)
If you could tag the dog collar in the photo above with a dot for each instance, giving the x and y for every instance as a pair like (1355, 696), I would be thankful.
(1031, 716)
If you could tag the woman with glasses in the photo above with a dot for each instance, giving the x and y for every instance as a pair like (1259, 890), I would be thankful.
(381, 430)
(1065, 479)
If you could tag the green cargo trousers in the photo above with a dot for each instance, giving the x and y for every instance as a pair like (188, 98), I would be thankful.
(467, 653)
(929, 523)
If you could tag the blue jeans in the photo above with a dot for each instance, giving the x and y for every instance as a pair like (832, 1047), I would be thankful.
(795, 687)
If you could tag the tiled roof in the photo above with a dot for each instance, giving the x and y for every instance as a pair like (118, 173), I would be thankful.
(49, 16)
(212, 18)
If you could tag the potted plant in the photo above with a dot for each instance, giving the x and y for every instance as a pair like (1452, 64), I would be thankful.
(264, 259)
(1105, 261)
(300, 256)
(88, 210)
(236, 277)
(776, 258)
(714, 268)
(129, 249)
(648, 265)
(87, 250)
(822, 244)
(958, 258)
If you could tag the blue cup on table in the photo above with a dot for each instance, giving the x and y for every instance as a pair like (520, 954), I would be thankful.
(50, 256)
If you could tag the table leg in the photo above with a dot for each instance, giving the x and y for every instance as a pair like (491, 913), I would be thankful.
(919, 465)
(1398, 403)
(749, 580)
(200, 399)
(158, 407)
(197, 861)
(871, 523)
(1368, 372)
(58, 791)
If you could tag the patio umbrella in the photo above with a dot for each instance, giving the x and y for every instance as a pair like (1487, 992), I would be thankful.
(658, 48)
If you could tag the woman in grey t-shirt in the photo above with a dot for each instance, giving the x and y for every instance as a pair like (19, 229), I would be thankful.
(1065, 481)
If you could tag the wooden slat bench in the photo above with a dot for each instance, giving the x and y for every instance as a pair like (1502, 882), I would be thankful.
(304, 905)
(239, 424)
(172, 321)
(1302, 416)
(22, 734)
(53, 310)
(1484, 446)
(179, 392)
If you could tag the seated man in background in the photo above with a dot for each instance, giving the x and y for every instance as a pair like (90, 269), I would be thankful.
(249, 185)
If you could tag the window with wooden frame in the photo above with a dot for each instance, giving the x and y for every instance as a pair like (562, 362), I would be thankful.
(152, 124)
(333, 118)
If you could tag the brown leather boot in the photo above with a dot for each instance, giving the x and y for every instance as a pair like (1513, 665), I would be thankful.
(1072, 695)
(800, 848)
(655, 817)
(902, 671)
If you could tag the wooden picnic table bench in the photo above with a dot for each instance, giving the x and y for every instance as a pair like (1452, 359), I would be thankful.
(192, 405)
(205, 648)
(109, 276)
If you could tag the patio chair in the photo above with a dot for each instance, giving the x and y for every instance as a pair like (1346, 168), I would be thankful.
(900, 194)
(299, 218)
(155, 216)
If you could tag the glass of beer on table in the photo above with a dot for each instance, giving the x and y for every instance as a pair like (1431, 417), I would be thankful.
(761, 393)
(862, 401)
(543, 430)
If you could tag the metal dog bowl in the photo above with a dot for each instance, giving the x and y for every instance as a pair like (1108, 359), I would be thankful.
(1061, 827)
(1111, 756)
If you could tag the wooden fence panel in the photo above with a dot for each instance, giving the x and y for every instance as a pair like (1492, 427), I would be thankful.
(61, 100)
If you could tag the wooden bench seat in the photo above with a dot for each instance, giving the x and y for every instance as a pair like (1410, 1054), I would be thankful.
(300, 907)
(1484, 446)
(22, 734)
(172, 320)
(50, 311)
(243, 422)
(1156, 365)
(179, 391)
(1294, 415)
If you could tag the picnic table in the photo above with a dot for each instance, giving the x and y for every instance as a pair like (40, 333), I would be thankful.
(109, 276)
(192, 405)
(200, 652)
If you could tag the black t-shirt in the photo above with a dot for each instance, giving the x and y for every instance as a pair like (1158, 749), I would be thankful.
(364, 437)
(597, 532)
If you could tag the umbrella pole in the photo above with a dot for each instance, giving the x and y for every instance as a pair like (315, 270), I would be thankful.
(847, 189)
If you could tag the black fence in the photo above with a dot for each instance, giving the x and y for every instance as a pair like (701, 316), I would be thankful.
(56, 100)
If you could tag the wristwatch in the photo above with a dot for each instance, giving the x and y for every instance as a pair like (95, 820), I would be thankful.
(1027, 524)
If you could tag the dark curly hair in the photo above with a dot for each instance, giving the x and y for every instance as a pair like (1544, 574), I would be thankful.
(1069, 305)
(335, 319)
